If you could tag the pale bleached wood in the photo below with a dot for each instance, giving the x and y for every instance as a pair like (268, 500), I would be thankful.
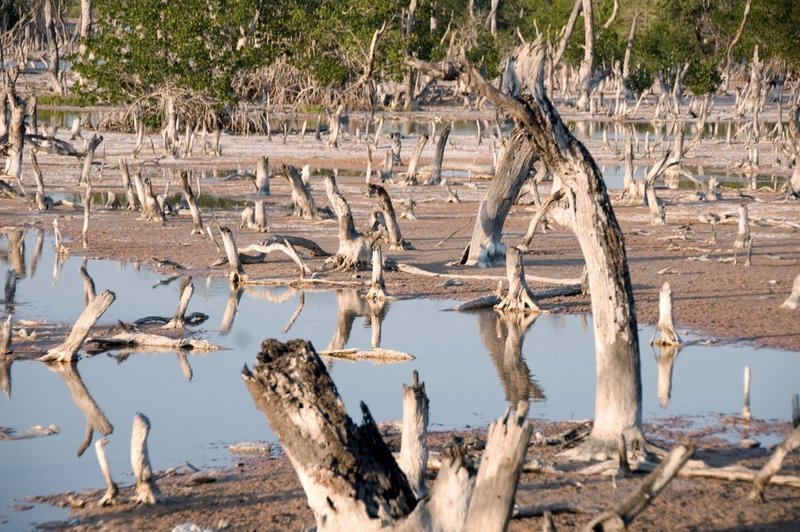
(413, 162)
(284, 247)
(109, 498)
(394, 236)
(746, 414)
(773, 465)
(743, 237)
(146, 490)
(793, 301)
(435, 176)
(526, 241)
(302, 200)
(5, 342)
(501, 465)
(89, 292)
(178, 320)
(413, 459)
(188, 195)
(148, 340)
(262, 176)
(519, 296)
(414, 270)
(236, 271)
(666, 362)
(354, 251)
(68, 350)
(377, 290)
(665, 330)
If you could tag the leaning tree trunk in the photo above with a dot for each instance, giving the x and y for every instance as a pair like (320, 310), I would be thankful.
(618, 394)
(52, 48)
(188, 194)
(354, 252)
(794, 143)
(16, 136)
(485, 248)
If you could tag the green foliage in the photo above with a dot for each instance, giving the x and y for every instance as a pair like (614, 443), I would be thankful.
(485, 55)
(702, 77)
(639, 80)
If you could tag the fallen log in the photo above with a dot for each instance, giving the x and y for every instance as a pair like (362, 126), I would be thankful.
(774, 464)
(413, 270)
(67, 351)
(376, 355)
(127, 339)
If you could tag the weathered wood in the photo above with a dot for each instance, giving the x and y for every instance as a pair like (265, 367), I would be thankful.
(135, 338)
(299, 242)
(5, 343)
(87, 207)
(109, 498)
(262, 176)
(10, 288)
(501, 465)
(354, 252)
(793, 301)
(665, 330)
(485, 247)
(260, 215)
(586, 71)
(67, 351)
(302, 201)
(413, 270)
(794, 145)
(89, 292)
(377, 290)
(554, 198)
(284, 247)
(43, 202)
(179, 320)
(743, 238)
(411, 173)
(795, 411)
(773, 465)
(146, 490)
(16, 134)
(151, 210)
(413, 459)
(88, 158)
(435, 176)
(348, 474)
(746, 414)
(236, 273)
(625, 512)
(130, 196)
(519, 296)
(394, 236)
(188, 195)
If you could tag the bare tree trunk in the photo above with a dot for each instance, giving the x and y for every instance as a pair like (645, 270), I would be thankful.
(794, 144)
(335, 120)
(566, 33)
(146, 490)
(87, 206)
(262, 176)
(395, 238)
(666, 326)
(587, 64)
(236, 274)
(53, 69)
(413, 459)
(485, 247)
(411, 174)
(377, 290)
(743, 238)
(793, 301)
(178, 321)
(302, 201)
(16, 136)
(519, 297)
(67, 351)
(43, 202)
(354, 251)
(188, 194)
(436, 170)
(112, 491)
(130, 196)
(87, 20)
(729, 52)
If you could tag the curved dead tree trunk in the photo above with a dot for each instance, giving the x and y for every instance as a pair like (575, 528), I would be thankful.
(146, 490)
(302, 201)
(68, 351)
(618, 395)
(377, 290)
(354, 252)
(519, 297)
(188, 195)
(16, 135)
(436, 170)
(395, 238)
(411, 174)
(485, 247)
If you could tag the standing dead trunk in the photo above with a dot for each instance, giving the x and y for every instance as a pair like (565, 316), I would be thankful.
(236, 274)
(188, 195)
(377, 290)
(354, 252)
(335, 121)
(519, 297)
(411, 174)
(67, 351)
(793, 301)
(16, 136)
(43, 202)
(87, 207)
(146, 490)
(5, 349)
(302, 201)
(262, 176)
(729, 51)
(395, 238)
(566, 33)
(587, 63)
(53, 68)
(170, 131)
(130, 196)
(485, 247)
(743, 238)
(667, 335)
(179, 320)
(436, 170)
(110, 496)
(794, 144)
(413, 459)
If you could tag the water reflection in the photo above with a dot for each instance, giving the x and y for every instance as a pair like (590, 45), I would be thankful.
(503, 334)
(5, 374)
(351, 306)
(665, 359)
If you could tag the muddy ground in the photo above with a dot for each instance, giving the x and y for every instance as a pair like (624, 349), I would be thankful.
(716, 299)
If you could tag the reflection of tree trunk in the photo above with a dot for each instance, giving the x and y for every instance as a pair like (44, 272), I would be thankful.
(665, 361)
(16, 250)
(503, 335)
(37, 252)
(351, 305)
(5, 374)
(95, 418)
(377, 313)
(228, 316)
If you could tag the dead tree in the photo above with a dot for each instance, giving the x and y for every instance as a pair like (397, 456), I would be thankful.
(794, 145)
(435, 176)
(262, 176)
(394, 237)
(354, 251)
(377, 290)
(16, 136)
(43, 201)
(146, 490)
(151, 210)
(773, 465)
(413, 459)
(236, 274)
(5, 341)
(302, 201)
(793, 301)
(179, 320)
(743, 238)
(667, 335)
(519, 297)
(618, 405)
(68, 350)
(485, 247)
(541, 212)
(188, 195)
(626, 511)
(585, 74)
(130, 195)
(411, 174)
(112, 491)
(349, 476)
(87, 158)
(53, 67)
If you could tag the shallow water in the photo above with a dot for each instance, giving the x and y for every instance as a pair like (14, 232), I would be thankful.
(472, 365)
